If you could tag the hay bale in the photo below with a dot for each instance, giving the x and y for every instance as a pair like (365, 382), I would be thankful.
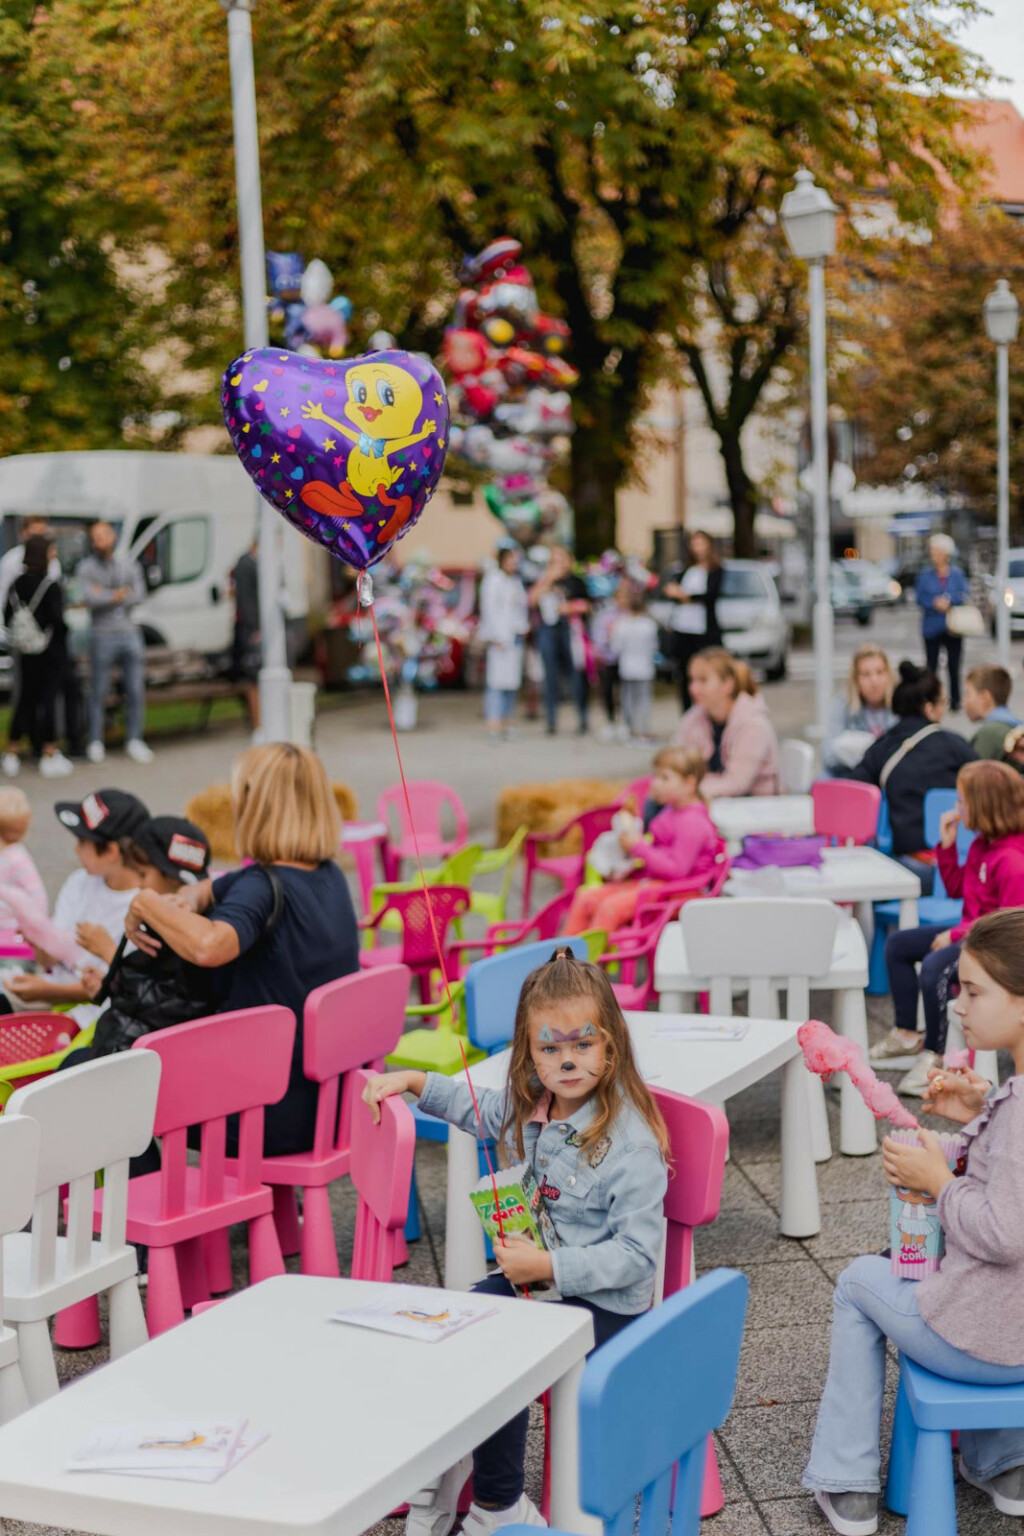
(546, 807)
(211, 811)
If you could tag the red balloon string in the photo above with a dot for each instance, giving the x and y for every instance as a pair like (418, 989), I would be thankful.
(433, 924)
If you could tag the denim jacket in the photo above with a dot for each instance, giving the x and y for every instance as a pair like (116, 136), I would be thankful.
(606, 1206)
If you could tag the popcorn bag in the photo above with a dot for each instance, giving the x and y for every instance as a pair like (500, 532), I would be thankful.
(915, 1236)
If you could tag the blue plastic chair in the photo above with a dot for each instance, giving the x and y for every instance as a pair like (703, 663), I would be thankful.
(493, 987)
(643, 1424)
(928, 1409)
(939, 908)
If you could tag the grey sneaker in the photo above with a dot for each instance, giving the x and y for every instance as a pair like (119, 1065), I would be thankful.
(851, 1514)
(893, 1048)
(915, 1083)
(1006, 1489)
(432, 1511)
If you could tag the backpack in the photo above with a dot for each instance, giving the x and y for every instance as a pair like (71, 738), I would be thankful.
(24, 634)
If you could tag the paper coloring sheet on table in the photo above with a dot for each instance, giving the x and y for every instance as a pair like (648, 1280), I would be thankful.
(418, 1312)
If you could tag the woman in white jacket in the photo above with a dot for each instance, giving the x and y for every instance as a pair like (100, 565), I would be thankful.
(504, 620)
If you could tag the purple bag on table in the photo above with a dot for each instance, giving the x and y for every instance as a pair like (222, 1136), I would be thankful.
(760, 851)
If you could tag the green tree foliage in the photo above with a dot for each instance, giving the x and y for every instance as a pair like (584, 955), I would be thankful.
(636, 147)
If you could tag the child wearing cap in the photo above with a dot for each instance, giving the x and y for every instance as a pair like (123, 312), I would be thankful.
(17, 866)
(144, 992)
(93, 902)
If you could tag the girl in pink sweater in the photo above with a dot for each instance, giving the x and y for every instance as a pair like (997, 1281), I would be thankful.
(681, 842)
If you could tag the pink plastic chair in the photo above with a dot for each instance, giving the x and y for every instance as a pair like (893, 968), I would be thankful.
(382, 1157)
(631, 950)
(418, 950)
(546, 923)
(230, 1064)
(844, 811)
(351, 1023)
(699, 1139)
(13, 946)
(428, 799)
(566, 868)
(637, 792)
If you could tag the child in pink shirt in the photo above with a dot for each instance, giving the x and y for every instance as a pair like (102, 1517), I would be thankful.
(681, 842)
(17, 866)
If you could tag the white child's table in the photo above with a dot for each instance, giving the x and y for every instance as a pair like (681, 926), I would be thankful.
(737, 817)
(710, 1070)
(357, 1419)
(851, 876)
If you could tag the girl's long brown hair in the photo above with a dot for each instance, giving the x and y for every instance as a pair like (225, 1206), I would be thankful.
(996, 941)
(562, 978)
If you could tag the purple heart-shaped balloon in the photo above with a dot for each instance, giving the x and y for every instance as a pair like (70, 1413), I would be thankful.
(335, 441)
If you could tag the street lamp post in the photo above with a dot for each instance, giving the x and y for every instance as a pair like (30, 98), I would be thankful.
(808, 217)
(275, 678)
(1002, 316)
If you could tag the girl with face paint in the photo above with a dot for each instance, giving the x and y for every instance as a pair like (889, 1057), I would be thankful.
(576, 1110)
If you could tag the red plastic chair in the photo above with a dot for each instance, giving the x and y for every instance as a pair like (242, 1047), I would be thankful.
(546, 923)
(566, 868)
(428, 799)
(699, 1139)
(418, 950)
(382, 1158)
(230, 1064)
(351, 1023)
(844, 811)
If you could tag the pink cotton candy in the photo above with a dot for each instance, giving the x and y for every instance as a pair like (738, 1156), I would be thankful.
(826, 1052)
(956, 1061)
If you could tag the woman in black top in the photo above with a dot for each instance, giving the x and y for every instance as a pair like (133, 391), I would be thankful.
(40, 673)
(695, 593)
(560, 598)
(911, 758)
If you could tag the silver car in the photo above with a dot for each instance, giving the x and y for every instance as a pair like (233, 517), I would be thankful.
(751, 619)
(1014, 594)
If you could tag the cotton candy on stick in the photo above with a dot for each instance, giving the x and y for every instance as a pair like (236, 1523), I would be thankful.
(40, 930)
(826, 1052)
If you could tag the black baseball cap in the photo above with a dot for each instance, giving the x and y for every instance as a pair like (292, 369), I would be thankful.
(176, 847)
(104, 816)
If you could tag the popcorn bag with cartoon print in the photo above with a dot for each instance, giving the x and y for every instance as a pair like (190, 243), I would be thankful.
(916, 1238)
(523, 1214)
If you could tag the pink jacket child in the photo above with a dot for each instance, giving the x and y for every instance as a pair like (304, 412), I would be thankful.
(749, 748)
(991, 878)
(684, 843)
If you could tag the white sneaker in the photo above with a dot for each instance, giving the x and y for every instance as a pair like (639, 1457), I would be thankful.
(892, 1048)
(432, 1511)
(138, 751)
(56, 766)
(11, 764)
(96, 752)
(1006, 1489)
(481, 1522)
(849, 1514)
(916, 1081)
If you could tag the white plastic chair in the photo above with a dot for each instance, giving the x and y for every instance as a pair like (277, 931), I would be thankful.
(19, 1160)
(762, 946)
(92, 1117)
(796, 766)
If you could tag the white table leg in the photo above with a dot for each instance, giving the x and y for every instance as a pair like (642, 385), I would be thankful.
(908, 912)
(670, 1002)
(821, 1141)
(864, 912)
(799, 1216)
(464, 1261)
(566, 1514)
(857, 1137)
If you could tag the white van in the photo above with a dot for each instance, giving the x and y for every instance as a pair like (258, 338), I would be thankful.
(186, 517)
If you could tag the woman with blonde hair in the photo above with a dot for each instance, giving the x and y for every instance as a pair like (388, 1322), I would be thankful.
(276, 928)
(729, 725)
(862, 713)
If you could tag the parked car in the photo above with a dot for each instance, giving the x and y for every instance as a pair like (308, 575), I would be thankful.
(750, 616)
(1014, 594)
(878, 587)
(849, 600)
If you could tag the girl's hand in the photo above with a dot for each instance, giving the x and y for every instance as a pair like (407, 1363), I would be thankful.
(942, 939)
(522, 1262)
(95, 938)
(91, 980)
(29, 988)
(923, 1167)
(948, 824)
(958, 1095)
(626, 841)
(383, 1084)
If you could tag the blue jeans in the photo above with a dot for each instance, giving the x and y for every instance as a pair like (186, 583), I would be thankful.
(499, 704)
(903, 949)
(128, 652)
(872, 1305)
(556, 654)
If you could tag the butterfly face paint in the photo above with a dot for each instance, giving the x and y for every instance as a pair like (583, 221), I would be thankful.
(567, 1049)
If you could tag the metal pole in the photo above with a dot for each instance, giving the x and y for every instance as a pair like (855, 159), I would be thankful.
(275, 678)
(1003, 502)
(823, 619)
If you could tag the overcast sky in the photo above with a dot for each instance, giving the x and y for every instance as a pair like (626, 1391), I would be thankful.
(999, 38)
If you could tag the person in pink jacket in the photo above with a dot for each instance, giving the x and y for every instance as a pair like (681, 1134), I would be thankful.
(990, 802)
(681, 842)
(730, 727)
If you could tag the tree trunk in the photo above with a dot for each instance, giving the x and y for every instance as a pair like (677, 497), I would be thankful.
(596, 468)
(742, 495)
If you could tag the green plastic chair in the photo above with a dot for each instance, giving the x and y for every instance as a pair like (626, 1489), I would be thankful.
(436, 1048)
(492, 904)
(596, 941)
(459, 869)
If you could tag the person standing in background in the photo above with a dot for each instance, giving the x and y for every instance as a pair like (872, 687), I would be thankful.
(13, 561)
(634, 640)
(504, 621)
(246, 654)
(37, 634)
(111, 587)
(561, 600)
(939, 588)
(695, 618)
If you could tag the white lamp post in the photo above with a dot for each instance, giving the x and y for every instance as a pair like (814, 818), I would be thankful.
(809, 223)
(275, 678)
(1002, 316)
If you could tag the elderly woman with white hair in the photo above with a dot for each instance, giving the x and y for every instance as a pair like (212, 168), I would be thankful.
(940, 587)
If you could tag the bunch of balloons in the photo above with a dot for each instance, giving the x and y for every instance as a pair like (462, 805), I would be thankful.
(300, 301)
(509, 390)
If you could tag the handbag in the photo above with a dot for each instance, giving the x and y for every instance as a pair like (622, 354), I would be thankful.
(965, 621)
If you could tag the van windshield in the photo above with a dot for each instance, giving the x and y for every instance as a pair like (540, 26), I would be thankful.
(70, 532)
(741, 583)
